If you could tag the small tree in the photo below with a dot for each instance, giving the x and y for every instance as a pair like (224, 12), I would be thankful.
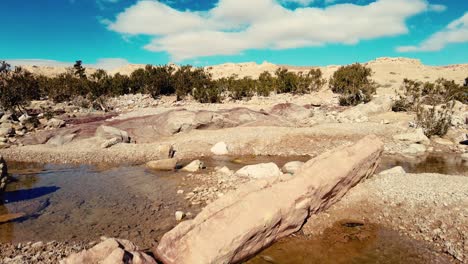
(79, 70)
(353, 83)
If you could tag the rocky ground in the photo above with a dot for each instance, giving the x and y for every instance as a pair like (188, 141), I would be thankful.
(425, 207)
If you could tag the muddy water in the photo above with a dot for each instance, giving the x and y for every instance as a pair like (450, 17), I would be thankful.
(84, 202)
(349, 242)
(57, 202)
(451, 164)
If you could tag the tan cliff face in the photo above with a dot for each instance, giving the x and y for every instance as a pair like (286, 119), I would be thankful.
(385, 70)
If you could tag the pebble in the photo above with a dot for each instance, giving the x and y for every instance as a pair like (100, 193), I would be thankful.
(179, 215)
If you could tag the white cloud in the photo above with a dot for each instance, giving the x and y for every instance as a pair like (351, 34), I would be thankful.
(104, 63)
(437, 8)
(234, 26)
(455, 32)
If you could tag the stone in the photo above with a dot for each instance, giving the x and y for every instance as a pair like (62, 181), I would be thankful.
(108, 132)
(60, 140)
(110, 251)
(241, 223)
(413, 137)
(194, 166)
(394, 170)
(6, 131)
(415, 149)
(179, 215)
(220, 148)
(55, 123)
(442, 141)
(111, 142)
(259, 171)
(163, 164)
(23, 118)
(292, 166)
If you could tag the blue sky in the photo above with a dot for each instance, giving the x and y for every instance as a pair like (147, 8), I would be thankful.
(108, 33)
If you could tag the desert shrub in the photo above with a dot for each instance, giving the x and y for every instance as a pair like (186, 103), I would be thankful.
(434, 120)
(209, 94)
(353, 83)
(286, 81)
(17, 89)
(241, 88)
(187, 79)
(265, 84)
(309, 82)
(158, 80)
(426, 93)
(65, 86)
(120, 84)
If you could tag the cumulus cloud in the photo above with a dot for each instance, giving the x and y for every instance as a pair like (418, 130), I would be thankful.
(455, 32)
(234, 26)
(104, 63)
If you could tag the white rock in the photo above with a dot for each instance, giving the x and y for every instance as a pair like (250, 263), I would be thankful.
(180, 191)
(394, 170)
(220, 148)
(179, 215)
(292, 166)
(194, 166)
(259, 171)
(413, 137)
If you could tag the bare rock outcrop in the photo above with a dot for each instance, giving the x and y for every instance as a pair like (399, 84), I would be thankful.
(245, 221)
(149, 128)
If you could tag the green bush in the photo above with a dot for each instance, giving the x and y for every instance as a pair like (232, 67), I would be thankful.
(17, 89)
(265, 84)
(434, 120)
(442, 91)
(353, 83)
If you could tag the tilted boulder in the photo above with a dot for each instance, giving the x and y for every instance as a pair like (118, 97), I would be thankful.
(243, 222)
(108, 132)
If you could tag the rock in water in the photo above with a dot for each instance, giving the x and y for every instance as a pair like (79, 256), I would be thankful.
(3, 174)
(292, 166)
(259, 171)
(162, 165)
(194, 166)
(243, 222)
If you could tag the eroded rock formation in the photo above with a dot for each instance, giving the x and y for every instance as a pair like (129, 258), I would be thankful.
(243, 222)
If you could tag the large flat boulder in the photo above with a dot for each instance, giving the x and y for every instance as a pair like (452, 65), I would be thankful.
(243, 222)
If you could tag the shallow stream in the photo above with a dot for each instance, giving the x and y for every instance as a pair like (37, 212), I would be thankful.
(82, 203)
